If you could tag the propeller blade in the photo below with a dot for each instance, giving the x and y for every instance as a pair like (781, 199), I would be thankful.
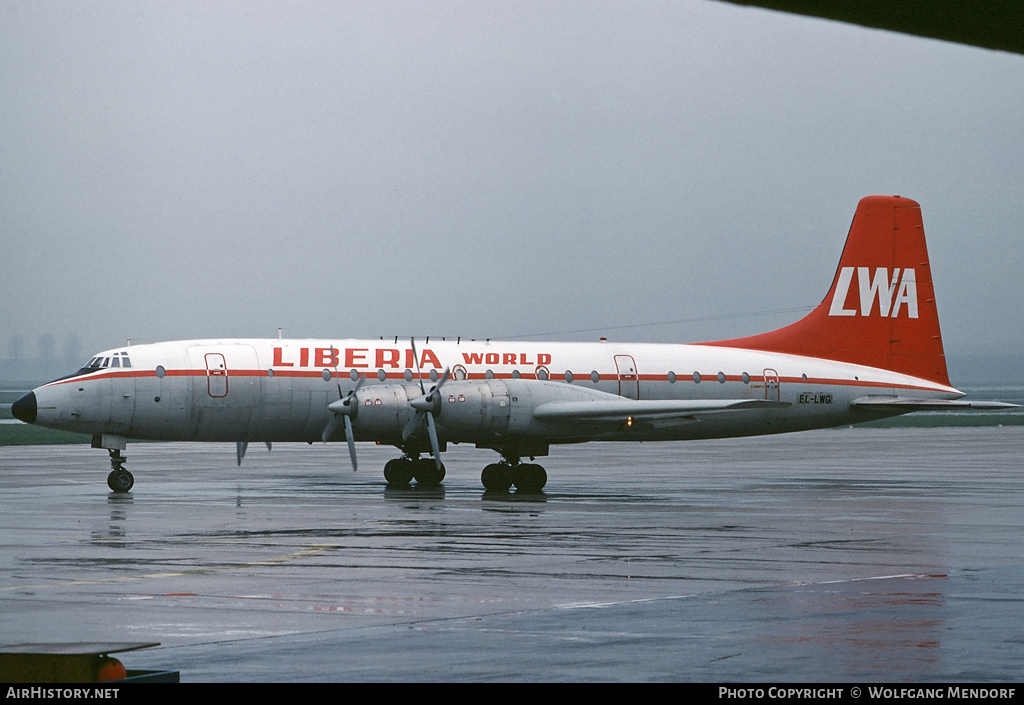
(425, 407)
(433, 439)
(345, 408)
(330, 428)
(240, 448)
(437, 387)
(410, 428)
(350, 439)
(416, 359)
(359, 383)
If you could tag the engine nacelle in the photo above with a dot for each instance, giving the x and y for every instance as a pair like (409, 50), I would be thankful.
(464, 412)
(468, 411)
(383, 411)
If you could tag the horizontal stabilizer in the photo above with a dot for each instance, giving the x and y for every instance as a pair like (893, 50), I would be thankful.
(620, 409)
(908, 405)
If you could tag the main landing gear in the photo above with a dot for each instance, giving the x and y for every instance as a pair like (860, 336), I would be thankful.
(529, 478)
(119, 480)
(401, 471)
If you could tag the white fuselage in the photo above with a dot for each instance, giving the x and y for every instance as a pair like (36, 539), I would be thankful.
(279, 390)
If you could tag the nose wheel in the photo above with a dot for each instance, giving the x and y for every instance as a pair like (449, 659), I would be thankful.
(119, 480)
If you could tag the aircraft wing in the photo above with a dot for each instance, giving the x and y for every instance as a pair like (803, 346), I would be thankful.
(657, 412)
(907, 405)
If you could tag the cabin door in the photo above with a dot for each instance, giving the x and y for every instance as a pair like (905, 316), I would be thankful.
(629, 380)
(771, 386)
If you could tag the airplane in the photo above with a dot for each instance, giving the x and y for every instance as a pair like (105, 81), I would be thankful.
(871, 349)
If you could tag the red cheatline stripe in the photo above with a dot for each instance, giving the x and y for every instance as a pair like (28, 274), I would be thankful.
(706, 378)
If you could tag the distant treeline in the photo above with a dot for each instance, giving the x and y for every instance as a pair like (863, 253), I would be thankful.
(37, 369)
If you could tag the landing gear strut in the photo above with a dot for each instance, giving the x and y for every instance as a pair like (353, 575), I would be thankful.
(119, 480)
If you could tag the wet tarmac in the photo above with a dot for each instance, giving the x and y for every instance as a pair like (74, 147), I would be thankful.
(843, 555)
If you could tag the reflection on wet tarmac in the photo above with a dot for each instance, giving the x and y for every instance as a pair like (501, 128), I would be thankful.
(853, 554)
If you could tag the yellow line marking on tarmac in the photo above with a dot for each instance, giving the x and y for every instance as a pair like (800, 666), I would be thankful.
(314, 550)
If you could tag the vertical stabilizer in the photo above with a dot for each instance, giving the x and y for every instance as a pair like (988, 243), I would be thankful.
(881, 308)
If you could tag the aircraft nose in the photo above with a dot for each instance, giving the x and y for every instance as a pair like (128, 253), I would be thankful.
(24, 408)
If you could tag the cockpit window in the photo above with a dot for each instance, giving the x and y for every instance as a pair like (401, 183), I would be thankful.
(118, 359)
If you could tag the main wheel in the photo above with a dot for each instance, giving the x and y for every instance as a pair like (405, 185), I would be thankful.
(120, 480)
(496, 477)
(428, 473)
(398, 472)
(529, 478)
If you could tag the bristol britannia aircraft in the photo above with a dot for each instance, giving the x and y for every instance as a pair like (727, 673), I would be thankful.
(871, 349)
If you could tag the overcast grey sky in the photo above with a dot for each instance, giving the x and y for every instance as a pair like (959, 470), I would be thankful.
(355, 169)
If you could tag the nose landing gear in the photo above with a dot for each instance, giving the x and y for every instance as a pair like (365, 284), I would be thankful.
(119, 480)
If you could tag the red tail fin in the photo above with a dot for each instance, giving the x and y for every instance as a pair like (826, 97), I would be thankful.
(881, 309)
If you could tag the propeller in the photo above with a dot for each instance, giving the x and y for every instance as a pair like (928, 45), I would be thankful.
(344, 410)
(426, 406)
